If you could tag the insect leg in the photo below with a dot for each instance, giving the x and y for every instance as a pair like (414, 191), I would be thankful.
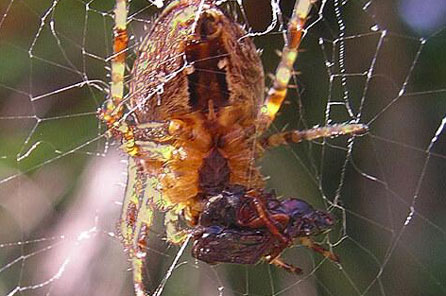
(309, 243)
(267, 219)
(278, 91)
(297, 136)
(288, 267)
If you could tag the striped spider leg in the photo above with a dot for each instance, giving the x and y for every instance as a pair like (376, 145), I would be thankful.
(277, 93)
(137, 214)
(142, 196)
(276, 96)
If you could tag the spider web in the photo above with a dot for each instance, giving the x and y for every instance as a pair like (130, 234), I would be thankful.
(61, 184)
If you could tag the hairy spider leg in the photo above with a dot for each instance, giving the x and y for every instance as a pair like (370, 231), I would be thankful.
(278, 91)
(141, 195)
(297, 136)
(133, 226)
(140, 201)
(142, 226)
(113, 109)
(136, 219)
(173, 233)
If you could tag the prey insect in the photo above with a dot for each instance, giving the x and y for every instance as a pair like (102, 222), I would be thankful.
(193, 125)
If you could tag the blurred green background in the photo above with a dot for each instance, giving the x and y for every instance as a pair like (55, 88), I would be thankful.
(61, 181)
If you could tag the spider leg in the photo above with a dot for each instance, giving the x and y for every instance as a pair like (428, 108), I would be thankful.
(278, 91)
(173, 232)
(266, 218)
(136, 219)
(113, 109)
(139, 247)
(137, 212)
(296, 136)
(149, 140)
(309, 243)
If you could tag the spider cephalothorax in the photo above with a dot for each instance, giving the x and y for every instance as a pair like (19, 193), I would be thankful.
(193, 127)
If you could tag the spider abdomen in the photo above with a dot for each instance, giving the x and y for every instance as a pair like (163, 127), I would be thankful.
(184, 62)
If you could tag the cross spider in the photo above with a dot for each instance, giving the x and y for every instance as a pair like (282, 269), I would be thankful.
(192, 125)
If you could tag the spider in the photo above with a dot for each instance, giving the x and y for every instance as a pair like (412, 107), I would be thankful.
(193, 125)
